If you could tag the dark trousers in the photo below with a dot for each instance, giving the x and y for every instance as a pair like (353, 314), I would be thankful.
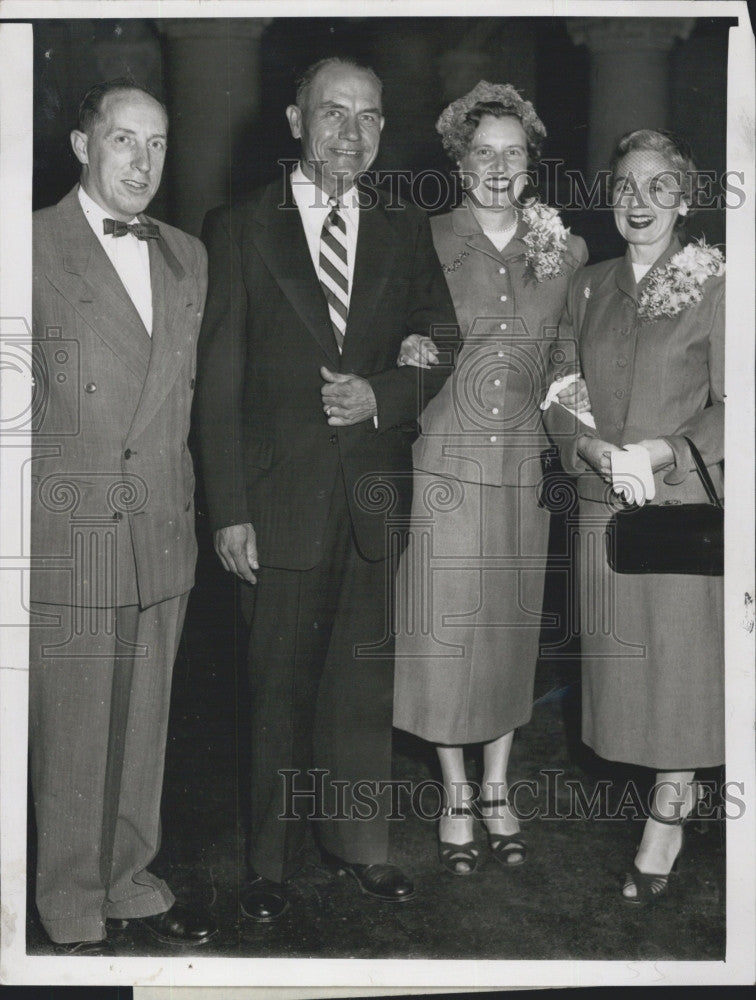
(99, 694)
(321, 699)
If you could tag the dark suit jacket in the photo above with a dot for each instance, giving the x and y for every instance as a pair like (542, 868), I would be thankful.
(269, 456)
(112, 479)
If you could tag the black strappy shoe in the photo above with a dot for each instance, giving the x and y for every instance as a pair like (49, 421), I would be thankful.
(504, 846)
(459, 859)
(650, 887)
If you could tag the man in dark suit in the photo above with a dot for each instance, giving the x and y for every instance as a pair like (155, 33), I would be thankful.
(117, 306)
(306, 425)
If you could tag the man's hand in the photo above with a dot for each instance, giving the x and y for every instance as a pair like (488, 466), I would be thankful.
(347, 399)
(418, 351)
(237, 550)
(596, 453)
(575, 396)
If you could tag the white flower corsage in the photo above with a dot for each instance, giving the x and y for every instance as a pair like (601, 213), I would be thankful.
(678, 285)
(546, 241)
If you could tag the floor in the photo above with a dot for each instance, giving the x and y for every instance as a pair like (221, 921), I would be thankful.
(564, 903)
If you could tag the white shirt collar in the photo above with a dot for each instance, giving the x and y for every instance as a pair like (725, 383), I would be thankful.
(311, 198)
(94, 212)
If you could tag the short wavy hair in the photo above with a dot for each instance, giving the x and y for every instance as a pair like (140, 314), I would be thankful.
(304, 84)
(675, 150)
(458, 122)
(90, 108)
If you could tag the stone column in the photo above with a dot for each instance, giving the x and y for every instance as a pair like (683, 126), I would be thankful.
(629, 75)
(213, 93)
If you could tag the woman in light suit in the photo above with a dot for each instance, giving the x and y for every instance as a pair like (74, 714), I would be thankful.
(649, 328)
(470, 583)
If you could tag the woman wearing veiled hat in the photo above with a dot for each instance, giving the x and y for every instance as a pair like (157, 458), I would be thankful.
(470, 584)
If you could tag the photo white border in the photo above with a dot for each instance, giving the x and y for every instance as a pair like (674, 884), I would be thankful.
(16, 103)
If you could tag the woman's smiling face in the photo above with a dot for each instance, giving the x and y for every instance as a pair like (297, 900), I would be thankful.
(646, 198)
(493, 168)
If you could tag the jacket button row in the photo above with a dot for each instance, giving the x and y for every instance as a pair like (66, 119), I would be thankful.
(90, 387)
(621, 361)
(128, 453)
(502, 270)
(620, 394)
(334, 439)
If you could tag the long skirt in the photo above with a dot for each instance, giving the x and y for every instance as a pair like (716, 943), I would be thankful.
(653, 660)
(469, 596)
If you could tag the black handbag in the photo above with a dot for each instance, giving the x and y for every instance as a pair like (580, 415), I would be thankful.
(670, 537)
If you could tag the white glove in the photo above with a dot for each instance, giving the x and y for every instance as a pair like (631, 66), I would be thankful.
(556, 387)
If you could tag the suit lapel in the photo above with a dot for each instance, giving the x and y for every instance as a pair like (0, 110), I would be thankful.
(170, 340)
(279, 237)
(626, 276)
(91, 284)
(373, 261)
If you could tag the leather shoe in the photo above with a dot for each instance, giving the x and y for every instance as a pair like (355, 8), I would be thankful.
(386, 882)
(86, 949)
(181, 924)
(263, 900)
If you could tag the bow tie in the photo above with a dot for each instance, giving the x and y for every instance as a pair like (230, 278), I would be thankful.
(142, 230)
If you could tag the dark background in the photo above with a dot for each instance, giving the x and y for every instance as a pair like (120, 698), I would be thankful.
(424, 62)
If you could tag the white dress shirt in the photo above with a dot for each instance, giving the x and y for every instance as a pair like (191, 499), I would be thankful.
(312, 203)
(129, 256)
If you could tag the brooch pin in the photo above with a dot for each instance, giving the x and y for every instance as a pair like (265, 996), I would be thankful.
(457, 262)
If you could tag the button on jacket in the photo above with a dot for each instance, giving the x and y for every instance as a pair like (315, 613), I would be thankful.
(646, 378)
(485, 425)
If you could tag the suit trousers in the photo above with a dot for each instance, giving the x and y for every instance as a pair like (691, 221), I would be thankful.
(321, 681)
(99, 696)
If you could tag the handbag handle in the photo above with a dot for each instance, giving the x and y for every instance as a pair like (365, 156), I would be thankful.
(703, 472)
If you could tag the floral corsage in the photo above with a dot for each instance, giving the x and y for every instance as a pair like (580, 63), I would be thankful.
(678, 285)
(546, 241)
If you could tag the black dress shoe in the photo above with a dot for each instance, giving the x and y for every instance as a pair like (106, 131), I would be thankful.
(86, 949)
(263, 900)
(386, 882)
(181, 924)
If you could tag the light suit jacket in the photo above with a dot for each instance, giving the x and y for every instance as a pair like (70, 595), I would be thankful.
(646, 378)
(112, 478)
(485, 425)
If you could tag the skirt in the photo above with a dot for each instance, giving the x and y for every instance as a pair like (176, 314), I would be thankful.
(653, 659)
(468, 612)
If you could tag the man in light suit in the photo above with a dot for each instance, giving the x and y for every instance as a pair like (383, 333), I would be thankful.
(117, 305)
(306, 425)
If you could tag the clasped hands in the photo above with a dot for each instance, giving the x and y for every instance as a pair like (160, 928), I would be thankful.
(347, 399)
(597, 453)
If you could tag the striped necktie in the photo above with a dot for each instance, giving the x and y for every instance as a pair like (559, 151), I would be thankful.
(334, 270)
